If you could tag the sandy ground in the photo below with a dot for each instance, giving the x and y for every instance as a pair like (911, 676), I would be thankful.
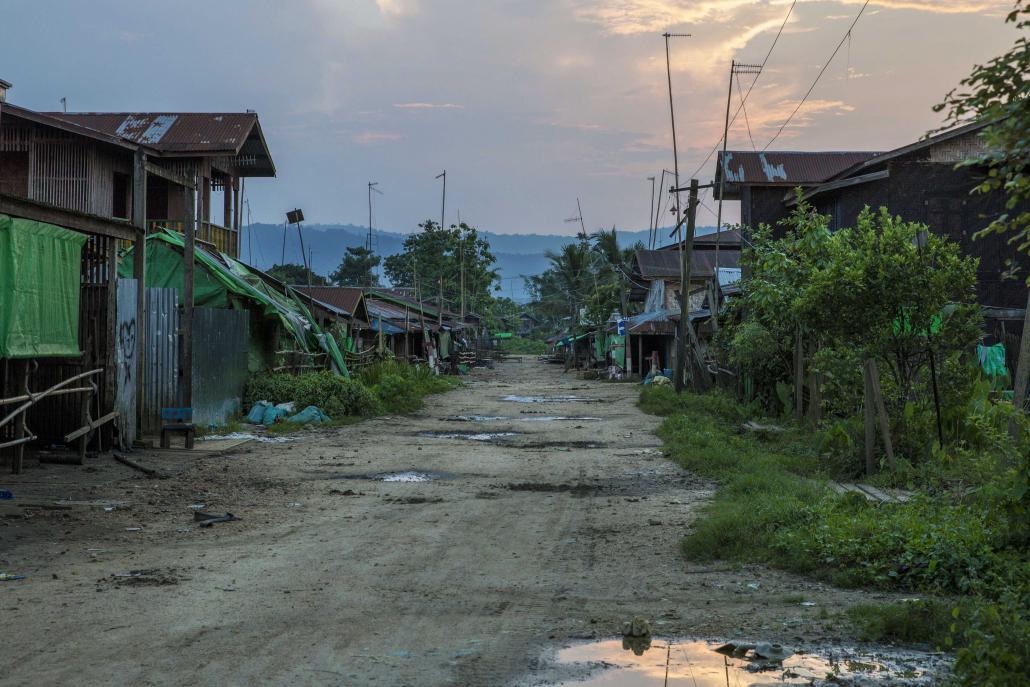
(561, 532)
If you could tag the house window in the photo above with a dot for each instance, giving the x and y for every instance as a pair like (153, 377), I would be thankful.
(120, 199)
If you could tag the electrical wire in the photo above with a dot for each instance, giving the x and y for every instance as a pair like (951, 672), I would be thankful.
(822, 71)
(746, 120)
(776, 40)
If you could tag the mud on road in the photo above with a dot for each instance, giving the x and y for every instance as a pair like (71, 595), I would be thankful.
(339, 572)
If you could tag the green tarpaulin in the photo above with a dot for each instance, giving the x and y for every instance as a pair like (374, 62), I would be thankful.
(617, 345)
(39, 289)
(225, 284)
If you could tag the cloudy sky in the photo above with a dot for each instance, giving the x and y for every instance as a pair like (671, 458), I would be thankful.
(528, 104)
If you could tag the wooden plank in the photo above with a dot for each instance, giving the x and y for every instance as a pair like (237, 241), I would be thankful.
(70, 219)
(90, 426)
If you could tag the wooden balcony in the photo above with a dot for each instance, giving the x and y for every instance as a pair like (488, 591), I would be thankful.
(224, 239)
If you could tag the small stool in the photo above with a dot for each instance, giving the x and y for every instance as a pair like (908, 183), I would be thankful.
(178, 420)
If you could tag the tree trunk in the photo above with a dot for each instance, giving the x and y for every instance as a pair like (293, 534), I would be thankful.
(799, 376)
(1022, 371)
(868, 421)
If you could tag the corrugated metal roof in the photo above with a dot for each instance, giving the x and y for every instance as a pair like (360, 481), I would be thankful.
(665, 264)
(785, 168)
(346, 298)
(181, 132)
(728, 238)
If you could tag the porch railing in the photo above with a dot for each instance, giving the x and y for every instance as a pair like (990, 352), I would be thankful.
(224, 239)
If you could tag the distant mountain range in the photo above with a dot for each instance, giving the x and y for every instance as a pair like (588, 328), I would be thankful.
(518, 255)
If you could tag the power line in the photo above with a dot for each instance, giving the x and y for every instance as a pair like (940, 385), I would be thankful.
(746, 120)
(811, 88)
(776, 40)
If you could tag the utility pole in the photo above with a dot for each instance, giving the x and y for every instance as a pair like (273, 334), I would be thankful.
(685, 334)
(443, 199)
(735, 68)
(679, 209)
(371, 189)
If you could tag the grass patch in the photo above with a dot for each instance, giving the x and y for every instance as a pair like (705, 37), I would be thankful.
(922, 621)
(964, 535)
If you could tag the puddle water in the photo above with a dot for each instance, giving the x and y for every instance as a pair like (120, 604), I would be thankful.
(542, 418)
(245, 435)
(549, 399)
(559, 418)
(646, 663)
(403, 476)
(471, 436)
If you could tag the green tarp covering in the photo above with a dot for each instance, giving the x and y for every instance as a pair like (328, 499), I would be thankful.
(39, 289)
(230, 283)
(992, 360)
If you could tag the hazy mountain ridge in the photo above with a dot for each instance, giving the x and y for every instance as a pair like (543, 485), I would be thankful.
(518, 255)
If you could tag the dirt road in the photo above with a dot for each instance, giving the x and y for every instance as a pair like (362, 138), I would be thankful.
(561, 530)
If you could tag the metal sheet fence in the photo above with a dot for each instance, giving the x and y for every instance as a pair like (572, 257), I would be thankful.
(220, 340)
(161, 374)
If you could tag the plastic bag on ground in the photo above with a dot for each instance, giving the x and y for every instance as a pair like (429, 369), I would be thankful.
(310, 415)
(272, 415)
(257, 413)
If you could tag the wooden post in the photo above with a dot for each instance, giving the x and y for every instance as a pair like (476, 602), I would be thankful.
(227, 202)
(1019, 386)
(686, 255)
(19, 426)
(628, 352)
(640, 356)
(799, 376)
(192, 222)
(881, 411)
(868, 421)
(139, 271)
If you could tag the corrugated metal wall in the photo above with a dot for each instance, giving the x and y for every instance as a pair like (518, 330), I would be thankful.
(220, 339)
(125, 361)
(161, 376)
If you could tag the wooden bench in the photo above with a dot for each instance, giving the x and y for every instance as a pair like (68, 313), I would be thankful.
(179, 420)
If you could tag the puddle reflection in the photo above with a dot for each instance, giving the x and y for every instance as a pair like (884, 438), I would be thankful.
(549, 399)
(636, 663)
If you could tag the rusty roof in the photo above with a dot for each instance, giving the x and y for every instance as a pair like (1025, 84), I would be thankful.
(782, 167)
(665, 264)
(347, 298)
(187, 134)
(172, 131)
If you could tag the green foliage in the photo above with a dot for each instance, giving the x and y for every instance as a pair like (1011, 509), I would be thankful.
(357, 268)
(999, 91)
(400, 387)
(293, 274)
(919, 621)
(337, 396)
(519, 345)
(996, 641)
(435, 253)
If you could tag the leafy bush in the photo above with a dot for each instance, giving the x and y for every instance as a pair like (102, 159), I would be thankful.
(398, 394)
(996, 641)
(336, 396)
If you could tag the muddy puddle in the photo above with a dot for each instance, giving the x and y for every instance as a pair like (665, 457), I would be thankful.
(541, 418)
(549, 399)
(470, 436)
(650, 663)
(402, 476)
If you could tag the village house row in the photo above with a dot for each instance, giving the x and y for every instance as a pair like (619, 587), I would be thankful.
(92, 354)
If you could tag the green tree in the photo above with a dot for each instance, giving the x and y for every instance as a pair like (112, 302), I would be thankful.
(294, 274)
(999, 91)
(357, 268)
(435, 256)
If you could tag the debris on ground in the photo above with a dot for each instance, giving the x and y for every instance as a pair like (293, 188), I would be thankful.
(149, 472)
(208, 519)
(7, 577)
